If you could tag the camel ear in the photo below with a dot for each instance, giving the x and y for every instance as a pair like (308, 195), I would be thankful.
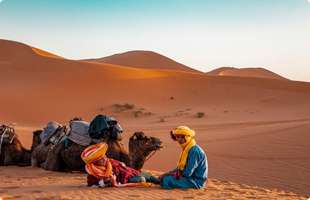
(142, 134)
(134, 137)
(37, 132)
(139, 135)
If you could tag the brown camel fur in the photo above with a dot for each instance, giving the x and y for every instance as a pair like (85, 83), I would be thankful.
(140, 147)
(41, 149)
(65, 156)
(12, 151)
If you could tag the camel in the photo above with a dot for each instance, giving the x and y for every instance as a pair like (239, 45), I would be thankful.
(65, 156)
(41, 149)
(12, 151)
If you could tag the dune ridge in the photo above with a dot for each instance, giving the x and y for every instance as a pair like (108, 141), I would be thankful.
(143, 59)
(245, 72)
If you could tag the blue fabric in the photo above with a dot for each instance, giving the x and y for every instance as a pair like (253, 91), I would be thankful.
(194, 174)
(147, 176)
(170, 182)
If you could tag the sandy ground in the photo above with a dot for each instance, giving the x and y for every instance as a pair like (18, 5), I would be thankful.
(255, 131)
(33, 183)
(269, 154)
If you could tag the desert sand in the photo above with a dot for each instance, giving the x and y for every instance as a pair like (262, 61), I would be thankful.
(29, 183)
(254, 129)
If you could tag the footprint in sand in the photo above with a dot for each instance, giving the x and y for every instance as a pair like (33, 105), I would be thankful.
(10, 187)
(200, 194)
(11, 197)
(134, 195)
(168, 199)
(36, 191)
(188, 197)
(49, 198)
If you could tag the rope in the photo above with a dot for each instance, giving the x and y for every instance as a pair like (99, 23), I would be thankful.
(151, 154)
(13, 137)
(1, 140)
(3, 135)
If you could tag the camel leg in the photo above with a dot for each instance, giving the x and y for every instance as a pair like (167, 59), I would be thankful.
(12, 156)
(34, 161)
(53, 160)
(26, 160)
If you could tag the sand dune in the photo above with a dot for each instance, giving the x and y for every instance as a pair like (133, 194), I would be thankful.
(52, 88)
(250, 125)
(144, 59)
(245, 72)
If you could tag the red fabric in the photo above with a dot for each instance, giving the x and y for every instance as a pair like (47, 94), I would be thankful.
(122, 172)
(177, 174)
(92, 180)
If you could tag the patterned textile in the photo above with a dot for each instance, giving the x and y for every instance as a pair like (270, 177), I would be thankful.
(79, 133)
(122, 172)
(49, 130)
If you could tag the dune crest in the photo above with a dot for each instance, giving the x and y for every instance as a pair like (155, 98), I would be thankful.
(45, 53)
(245, 72)
(144, 59)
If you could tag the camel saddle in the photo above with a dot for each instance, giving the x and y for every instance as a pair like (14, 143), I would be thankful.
(78, 133)
(51, 128)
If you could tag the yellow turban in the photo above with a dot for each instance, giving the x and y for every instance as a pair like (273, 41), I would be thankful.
(184, 130)
(94, 152)
(190, 142)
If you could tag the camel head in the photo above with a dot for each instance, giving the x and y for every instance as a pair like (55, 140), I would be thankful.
(140, 147)
(36, 139)
(7, 134)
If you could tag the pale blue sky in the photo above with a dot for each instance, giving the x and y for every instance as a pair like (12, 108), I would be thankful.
(203, 34)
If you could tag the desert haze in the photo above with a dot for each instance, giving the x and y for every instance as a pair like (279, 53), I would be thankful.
(253, 124)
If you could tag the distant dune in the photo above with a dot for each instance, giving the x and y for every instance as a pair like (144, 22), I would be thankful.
(245, 72)
(37, 86)
(143, 59)
(34, 83)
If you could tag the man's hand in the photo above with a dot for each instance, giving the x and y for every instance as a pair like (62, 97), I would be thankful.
(113, 180)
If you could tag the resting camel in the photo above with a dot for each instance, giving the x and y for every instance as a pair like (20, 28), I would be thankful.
(12, 151)
(65, 156)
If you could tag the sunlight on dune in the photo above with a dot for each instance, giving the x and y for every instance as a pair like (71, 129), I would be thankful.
(45, 53)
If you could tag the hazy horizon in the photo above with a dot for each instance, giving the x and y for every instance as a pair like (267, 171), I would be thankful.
(200, 34)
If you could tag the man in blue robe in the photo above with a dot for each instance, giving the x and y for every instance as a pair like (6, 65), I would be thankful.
(192, 169)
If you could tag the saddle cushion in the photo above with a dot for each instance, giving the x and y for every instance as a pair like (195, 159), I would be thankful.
(79, 133)
(49, 130)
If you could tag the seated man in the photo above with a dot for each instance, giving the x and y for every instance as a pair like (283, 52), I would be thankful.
(192, 169)
(103, 171)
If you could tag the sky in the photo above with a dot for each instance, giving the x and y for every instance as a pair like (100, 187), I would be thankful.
(202, 34)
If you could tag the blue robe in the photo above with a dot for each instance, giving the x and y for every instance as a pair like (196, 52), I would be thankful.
(194, 174)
